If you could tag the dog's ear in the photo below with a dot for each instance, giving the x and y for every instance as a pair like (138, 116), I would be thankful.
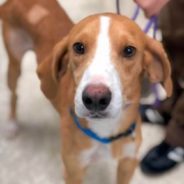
(157, 65)
(53, 68)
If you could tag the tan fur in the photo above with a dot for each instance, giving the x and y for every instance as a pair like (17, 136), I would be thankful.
(30, 25)
(61, 73)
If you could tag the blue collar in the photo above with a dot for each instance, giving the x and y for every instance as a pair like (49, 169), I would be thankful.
(103, 140)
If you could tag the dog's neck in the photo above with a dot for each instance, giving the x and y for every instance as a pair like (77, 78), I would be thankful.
(105, 127)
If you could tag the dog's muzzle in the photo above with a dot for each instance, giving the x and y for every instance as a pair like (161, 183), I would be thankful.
(96, 97)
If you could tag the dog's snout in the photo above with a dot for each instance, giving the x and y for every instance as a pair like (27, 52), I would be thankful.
(96, 97)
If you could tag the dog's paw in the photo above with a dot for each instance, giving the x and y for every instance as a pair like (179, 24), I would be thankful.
(11, 129)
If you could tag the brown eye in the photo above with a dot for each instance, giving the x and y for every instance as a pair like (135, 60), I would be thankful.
(79, 48)
(129, 51)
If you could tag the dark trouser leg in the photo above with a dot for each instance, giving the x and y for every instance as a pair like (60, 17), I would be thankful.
(175, 129)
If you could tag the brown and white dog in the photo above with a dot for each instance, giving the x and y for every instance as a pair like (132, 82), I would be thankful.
(96, 72)
(30, 25)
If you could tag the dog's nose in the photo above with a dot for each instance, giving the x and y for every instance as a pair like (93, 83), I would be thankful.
(96, 97)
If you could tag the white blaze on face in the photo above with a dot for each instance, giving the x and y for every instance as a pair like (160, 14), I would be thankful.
(101, 70)
(101, 66)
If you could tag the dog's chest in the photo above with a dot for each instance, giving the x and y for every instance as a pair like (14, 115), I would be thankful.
(101, 152)
(97, 152)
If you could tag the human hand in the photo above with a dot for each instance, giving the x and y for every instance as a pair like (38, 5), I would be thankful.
(151, 7)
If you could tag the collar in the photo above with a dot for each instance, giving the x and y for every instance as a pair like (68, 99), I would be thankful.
(104, 140)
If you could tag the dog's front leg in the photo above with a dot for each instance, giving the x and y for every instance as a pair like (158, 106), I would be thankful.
(126, 167)
(74, 171)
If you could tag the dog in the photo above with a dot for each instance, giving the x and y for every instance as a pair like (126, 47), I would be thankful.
(93, 78)
(30, 25)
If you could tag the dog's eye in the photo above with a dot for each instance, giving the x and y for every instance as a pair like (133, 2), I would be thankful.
(79, 48)
(129, 51)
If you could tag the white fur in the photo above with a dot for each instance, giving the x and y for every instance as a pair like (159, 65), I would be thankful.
(102, 70)
(105, 127)
(129, 150)
(99, 156)
(19, 42)
(36, 14)
(97, 152)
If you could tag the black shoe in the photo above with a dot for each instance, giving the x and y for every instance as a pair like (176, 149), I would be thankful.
(162, 158)
(152, 115)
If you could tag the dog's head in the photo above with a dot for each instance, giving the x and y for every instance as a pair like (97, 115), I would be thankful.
(107, 55)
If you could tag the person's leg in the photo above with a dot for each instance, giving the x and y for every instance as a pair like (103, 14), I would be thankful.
(170, 151)
(175, 130)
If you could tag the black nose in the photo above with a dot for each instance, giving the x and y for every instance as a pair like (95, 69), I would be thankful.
(96, 97)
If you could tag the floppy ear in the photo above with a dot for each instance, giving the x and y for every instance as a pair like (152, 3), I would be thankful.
(52, 68)
(157, 65)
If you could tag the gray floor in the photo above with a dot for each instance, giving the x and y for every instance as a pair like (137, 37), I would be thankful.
(33, 157)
